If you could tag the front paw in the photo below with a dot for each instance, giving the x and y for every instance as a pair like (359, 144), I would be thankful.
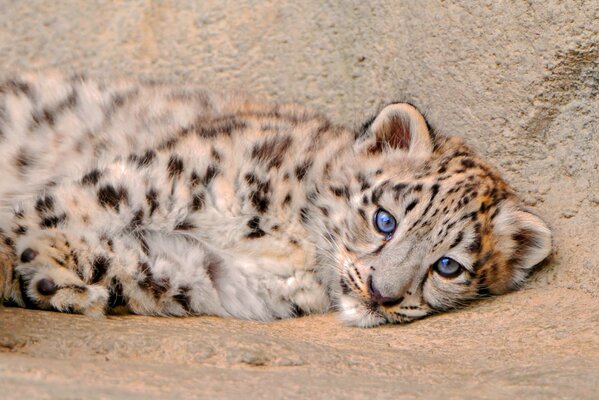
(47, 277)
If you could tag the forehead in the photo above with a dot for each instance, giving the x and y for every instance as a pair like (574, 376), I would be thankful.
(454, 184)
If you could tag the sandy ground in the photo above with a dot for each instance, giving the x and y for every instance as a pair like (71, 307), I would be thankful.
(519, 346)
(519, 80)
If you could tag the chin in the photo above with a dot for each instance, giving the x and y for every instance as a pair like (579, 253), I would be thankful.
(354, 312)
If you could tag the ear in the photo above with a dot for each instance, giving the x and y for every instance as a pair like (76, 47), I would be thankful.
(398, 127)
(523, 238)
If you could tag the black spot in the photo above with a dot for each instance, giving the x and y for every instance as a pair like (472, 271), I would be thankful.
(344, 288)
(52, 221)
(483, 287)
(198, 201)
(364, 184)
(304, 215)
(255, 230)
(48, 115)
(411, 206)
(215, 155)
(185, 226)
(44, 116)
(362, 214)
(152, 200)
(175, 166)
(44, 204)
(116, 297)
(143, 243)
(183, 298)
(146, 273)
(212, 269)
(399, 187)
(92, 177)
(169, 144)
(302, 169)
(297, 311)
(20, 230)
(136, 221)
(340, 191)
(250, 179)
(468, 163)
(434, 192)
(260, 197)
(23, 285)
(376, 195)
(271, 151)
(108, 196)
(211, 172)
(159, 286)
(194, 179)
(100, 266)
(457, 240)
(312, 196)
(483, 208)
(146, 159)
(219, 126)
(481, 261)
(287, 199)
(23, 160)
(16, 87)
(476, 243)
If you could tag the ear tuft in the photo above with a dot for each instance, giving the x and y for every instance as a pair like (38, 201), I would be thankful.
(398, 127)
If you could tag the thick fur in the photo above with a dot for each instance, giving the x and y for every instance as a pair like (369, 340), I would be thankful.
(170, 201)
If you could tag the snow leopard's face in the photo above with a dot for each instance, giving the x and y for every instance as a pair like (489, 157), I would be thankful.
(433, 226)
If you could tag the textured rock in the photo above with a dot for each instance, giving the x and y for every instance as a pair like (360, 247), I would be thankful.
(519, 80)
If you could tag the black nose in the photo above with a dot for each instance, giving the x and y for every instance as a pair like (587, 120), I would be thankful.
(379, 298)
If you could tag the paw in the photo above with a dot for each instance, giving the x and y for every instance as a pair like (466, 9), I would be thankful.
(47, 279)
(48, 247)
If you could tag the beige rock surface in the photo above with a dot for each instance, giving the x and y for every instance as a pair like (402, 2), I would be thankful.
(519, 80)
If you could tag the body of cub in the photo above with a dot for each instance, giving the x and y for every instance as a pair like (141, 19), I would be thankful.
(162, 200)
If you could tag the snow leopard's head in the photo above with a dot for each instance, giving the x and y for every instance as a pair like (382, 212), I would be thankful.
(431, 225)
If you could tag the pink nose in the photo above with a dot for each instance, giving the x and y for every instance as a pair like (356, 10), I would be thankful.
(376, 295)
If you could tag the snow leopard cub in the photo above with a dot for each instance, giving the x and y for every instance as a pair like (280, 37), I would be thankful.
(158, 200)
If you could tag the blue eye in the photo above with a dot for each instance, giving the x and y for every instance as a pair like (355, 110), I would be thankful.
(448, 267)
(384, 222)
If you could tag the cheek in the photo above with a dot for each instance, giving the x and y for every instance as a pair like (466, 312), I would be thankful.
(441, 293)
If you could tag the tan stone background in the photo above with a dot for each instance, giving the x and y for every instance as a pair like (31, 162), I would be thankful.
(518, 79)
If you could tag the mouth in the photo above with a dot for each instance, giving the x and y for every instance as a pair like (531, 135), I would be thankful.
(360, 306)
(355, 311)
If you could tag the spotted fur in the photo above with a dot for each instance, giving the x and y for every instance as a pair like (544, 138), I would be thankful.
(157, 200)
